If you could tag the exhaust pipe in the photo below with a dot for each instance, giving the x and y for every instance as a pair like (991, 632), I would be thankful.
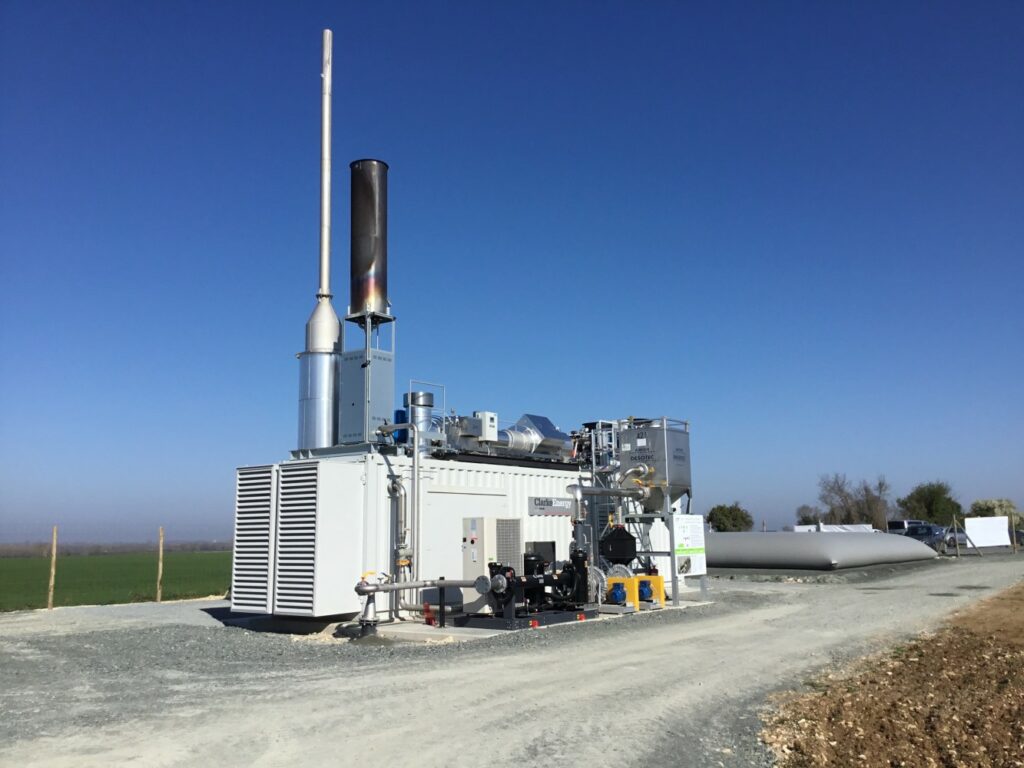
(369, 283)
(318, 364)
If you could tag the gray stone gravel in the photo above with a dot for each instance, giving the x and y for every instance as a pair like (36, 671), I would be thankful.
(147, 669)
(170, 685)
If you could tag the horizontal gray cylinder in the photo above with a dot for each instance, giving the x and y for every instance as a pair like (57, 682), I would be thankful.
(814, 551)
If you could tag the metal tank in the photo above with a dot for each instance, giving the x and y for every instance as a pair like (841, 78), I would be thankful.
(419, 406)
(318, 397)
(662, 448)
(318, 364)
(369, 238)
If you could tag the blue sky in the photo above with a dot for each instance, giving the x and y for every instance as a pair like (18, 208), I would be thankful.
(798, 225)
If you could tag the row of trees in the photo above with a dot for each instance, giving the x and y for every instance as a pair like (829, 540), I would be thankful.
(843, 502)
(846, 503)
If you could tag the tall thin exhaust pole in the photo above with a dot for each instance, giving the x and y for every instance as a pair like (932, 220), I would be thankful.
(325, 170)
(318, 365)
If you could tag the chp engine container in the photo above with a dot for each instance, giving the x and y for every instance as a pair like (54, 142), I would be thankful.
(307, 530)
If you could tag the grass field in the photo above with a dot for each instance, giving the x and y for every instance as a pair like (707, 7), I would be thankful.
(103, 579)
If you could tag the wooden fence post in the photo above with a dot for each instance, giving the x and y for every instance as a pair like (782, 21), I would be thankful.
(160, 568)
(53, 569)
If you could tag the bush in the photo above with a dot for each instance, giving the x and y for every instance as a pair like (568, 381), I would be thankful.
(996, 508)
(932, 502)
(730, 517)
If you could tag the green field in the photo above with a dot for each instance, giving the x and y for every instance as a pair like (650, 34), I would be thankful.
(120, 578)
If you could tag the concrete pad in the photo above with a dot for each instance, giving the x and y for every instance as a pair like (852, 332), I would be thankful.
(424, 633)
(615, 610)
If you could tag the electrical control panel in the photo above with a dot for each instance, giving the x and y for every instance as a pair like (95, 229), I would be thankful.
(488, 426)
(488, 540)
(475, 556)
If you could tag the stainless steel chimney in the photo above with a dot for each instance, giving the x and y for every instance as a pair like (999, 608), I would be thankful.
(319, 363)
(369, 238)
(367, 375)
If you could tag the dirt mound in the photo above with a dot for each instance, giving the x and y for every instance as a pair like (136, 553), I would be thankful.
(952, 699)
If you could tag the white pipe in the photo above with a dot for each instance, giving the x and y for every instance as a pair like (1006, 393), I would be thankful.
(325, 170)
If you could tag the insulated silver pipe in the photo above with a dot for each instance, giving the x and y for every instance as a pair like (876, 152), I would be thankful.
(516, 440)
(368, 616)
(638, 471)
(325, 168)
(530, 440)
(579, 491)
(372, 589)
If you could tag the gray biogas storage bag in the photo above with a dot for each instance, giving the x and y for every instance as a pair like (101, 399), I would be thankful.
(815, 551)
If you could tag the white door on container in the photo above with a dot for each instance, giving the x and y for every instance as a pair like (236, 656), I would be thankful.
(441, 528)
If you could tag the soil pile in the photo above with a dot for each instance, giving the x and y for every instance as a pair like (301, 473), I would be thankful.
(954, 698)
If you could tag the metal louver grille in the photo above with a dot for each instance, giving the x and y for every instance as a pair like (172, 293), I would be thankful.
(508, 542)
(252, 563)
(296, 539)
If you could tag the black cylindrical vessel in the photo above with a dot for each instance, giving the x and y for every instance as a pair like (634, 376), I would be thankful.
(533, 564)
(369, 231)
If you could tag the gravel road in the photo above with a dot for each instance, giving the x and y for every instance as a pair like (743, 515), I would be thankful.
(163, 685)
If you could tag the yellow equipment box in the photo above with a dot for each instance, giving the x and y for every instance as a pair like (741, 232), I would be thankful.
(657, 586)
(632, 586)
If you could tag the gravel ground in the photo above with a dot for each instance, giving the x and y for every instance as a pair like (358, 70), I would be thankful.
(170, 685)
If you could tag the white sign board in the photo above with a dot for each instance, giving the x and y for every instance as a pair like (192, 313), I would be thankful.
(546, 506)
(988, 531)
(691, 559)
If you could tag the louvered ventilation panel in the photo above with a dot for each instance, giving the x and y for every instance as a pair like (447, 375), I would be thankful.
(508, 542)
(252, 565)
(296, 539)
